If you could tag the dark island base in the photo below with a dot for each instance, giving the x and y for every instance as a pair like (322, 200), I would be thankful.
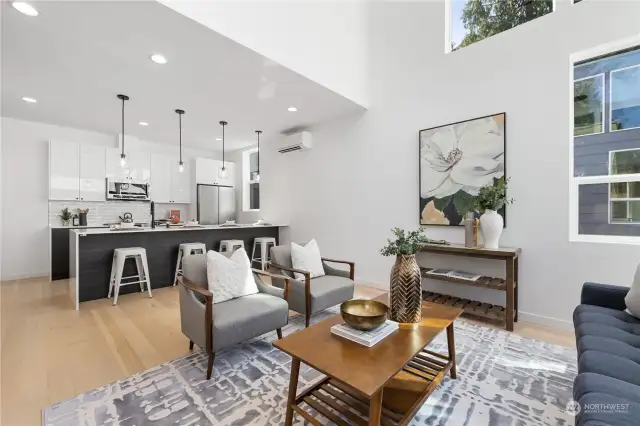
(96, 253)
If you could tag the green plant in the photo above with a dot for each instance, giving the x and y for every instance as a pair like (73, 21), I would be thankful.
(407, 243)
(493, 197)
(65, 215)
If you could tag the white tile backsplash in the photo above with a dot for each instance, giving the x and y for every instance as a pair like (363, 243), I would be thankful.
(101, 212)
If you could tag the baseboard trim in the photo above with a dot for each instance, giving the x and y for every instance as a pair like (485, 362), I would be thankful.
(554, 323)
(14, 277)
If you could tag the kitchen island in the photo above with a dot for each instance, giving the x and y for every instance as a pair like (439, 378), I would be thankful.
(91, 253)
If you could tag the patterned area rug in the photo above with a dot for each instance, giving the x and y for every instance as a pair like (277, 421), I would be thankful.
(503, 379)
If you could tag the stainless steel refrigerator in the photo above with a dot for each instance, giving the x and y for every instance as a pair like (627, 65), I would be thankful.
(216, 204)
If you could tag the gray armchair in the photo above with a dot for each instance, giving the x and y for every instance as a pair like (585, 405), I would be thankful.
(312, 295)
(216, 327)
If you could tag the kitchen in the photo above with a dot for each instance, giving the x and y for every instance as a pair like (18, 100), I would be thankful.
(173, 202)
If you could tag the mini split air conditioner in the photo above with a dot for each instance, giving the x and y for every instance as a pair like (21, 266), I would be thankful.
(296, 142)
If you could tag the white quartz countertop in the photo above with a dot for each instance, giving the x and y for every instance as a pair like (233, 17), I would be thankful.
(94, 231)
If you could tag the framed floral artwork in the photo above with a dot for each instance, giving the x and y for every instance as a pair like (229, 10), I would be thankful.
(456, 160)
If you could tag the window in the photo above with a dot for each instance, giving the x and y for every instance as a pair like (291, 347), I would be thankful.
(250, 180)
(606, 147)
(474, 20)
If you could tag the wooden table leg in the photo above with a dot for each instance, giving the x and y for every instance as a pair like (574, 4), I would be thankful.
(375, 409)
(516, 279)
(293, 385)
(452, 351)
(510, 293)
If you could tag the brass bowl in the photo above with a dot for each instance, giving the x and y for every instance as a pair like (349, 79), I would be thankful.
(364, 314)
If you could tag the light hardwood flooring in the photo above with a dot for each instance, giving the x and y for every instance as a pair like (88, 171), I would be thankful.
(50, 352)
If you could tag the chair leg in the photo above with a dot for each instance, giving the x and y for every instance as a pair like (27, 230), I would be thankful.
(190, 345)
(178, 267)
(307, 320)
(145, 265)
(118, 278)
(279, 331)
(212, 356)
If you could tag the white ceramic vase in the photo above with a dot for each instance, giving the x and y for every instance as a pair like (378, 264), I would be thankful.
(491, 224)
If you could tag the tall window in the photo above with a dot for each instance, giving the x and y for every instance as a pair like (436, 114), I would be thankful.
(250, 180)
(606, 144)
(474, 20)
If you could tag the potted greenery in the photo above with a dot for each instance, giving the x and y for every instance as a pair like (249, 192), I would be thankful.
(492, 198)
(65, 216)
(406, 288)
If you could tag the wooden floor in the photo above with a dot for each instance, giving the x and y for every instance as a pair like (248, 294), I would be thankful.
(50, 352)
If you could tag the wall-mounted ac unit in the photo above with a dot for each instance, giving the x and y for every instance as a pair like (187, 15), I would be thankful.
(296, 142)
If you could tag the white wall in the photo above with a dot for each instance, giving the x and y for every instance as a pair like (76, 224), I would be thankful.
(25, 189)
(310, 37)
(361, 177)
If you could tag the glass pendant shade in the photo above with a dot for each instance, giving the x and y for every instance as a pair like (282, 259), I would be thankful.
(123, 160)
(223, 172)
(181, 167)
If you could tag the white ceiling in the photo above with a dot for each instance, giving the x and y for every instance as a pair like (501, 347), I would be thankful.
(76, 56)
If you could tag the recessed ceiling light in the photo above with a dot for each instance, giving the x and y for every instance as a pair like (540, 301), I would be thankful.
(218, 139)
(143, 123)
(158, 59)
(292, 109)
(25, 8)
(30, 100)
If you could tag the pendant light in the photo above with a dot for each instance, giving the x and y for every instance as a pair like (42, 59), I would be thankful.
(180, 163)
(223, 170)
(123, 157)
(258, 132)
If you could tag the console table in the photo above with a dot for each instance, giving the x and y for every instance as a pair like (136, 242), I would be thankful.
(507, 313)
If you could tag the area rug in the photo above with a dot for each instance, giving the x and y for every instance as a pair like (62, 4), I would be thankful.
(503, 379)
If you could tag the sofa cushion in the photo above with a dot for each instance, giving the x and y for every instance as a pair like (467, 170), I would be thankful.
(603, 330)
(592, 382)
(602, 409)
(626, 349)
(591, 313)
(247, 317)
(610, 365)
(326, 291)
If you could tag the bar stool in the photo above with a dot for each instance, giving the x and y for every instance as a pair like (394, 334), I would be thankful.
(120, 255)
(265, 256)
(229, 246)
(187, 249)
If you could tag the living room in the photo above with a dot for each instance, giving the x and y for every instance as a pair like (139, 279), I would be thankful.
(362, 177)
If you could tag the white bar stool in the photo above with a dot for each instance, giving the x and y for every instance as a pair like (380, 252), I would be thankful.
(265, 256)
(229, 246)
(187, 249)
(117, 267)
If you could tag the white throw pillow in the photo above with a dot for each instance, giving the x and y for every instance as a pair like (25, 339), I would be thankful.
(632, 299)
(230, 277)
(307, 258)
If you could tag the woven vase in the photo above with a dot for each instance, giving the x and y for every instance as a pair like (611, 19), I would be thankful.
(406, 290)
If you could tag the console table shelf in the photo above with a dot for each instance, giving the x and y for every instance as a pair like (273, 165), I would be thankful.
(472, 307)
(507, 313)
(486, 282)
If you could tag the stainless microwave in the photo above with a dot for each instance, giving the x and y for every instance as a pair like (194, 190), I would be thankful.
(128, 191)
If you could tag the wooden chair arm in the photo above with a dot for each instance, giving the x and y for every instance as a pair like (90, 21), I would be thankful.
(287, 280)
(352, 266)
(196, 289)
(307, 274)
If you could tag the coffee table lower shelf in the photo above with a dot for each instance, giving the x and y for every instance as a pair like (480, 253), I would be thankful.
(402, 396)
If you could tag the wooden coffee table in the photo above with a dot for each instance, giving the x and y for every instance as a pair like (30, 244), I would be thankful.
(382, 385)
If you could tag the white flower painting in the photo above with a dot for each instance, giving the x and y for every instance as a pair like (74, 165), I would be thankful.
(456, 160)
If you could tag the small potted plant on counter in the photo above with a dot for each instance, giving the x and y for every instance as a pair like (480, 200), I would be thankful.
(492, 198)
(65, 217)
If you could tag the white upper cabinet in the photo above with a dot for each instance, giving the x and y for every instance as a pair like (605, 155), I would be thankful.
(208, 172)
(139, 163)
(168, 184)
(114, 168)
(64, 171)
(92, 173)
(180, 183)
(160, 178)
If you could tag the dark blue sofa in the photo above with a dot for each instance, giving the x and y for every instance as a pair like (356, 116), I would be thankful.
(608, 341)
